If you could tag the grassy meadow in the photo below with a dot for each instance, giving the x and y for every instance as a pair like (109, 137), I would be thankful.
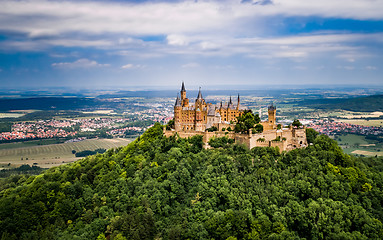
(357, 144)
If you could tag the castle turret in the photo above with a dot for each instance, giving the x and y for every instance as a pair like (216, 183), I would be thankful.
(199, 96)
(177, 114)
(198, 121)
(272, 114)
(183, 91)
(200, 102)
(238, 102)
(184, 100)
(230, 104)
(178, 101)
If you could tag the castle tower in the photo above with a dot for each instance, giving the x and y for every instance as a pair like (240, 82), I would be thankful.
(230, 104)
(238, 102)
(272, 114)
(200, 102)
(184, 100)
(177, 114)
(183, 91)
(198, 120)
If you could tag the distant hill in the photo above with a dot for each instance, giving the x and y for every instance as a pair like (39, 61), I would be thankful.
(52, 103)
(360, 104)
(171, 188)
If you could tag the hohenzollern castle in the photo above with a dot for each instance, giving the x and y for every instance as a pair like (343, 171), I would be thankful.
(197, 118)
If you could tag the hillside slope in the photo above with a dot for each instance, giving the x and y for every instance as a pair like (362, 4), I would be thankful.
(168, 188)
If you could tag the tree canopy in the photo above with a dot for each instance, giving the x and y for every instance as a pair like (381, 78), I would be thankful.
(246, 122)
(171, 188)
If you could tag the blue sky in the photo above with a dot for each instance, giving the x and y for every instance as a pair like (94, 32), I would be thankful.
(126, 44)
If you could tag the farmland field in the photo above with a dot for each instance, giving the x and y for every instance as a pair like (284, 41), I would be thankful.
(364, 122)
(11, 115)
(357, 144)
(31, 143)
(55, 154)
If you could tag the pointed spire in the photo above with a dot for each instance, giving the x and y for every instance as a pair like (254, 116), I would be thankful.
(238, 102)
(183, 87)
(199, 94)
(230, 102)
(178, 101)
(221, 105)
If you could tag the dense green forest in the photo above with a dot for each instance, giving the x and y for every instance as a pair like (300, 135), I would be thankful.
(360, 104)
(171, 188)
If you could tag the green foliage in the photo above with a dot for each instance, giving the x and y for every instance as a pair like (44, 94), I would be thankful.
(311, 135)
(86, 153)
(170, 124)
(296, 123)
(371, 103)
(23, 169)
(212, 129)
(171, 188)
(5, 126)
(220, 142)
(246, 122)
(277, 139)
(258, 128)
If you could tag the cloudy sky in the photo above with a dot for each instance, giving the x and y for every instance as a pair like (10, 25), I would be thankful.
(107, 44)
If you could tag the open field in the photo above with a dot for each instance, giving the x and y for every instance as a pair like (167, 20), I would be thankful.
(357, 144)
(31, 143)
(11, 115)
(369, 123)
(55, 154)
(363, 115)
(367, 153)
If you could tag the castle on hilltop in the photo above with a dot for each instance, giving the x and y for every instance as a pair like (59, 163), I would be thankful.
(202, 115)
(218, 120)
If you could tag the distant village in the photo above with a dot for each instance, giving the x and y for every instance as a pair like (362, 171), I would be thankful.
(136, 122)
(332, 128)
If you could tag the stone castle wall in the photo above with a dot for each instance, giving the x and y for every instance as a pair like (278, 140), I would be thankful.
(289, 138)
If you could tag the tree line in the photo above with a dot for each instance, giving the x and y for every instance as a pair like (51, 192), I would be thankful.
(172, 188)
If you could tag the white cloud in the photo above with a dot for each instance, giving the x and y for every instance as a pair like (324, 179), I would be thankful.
(371, 67)
(176, 40)
(190, 65)
(346, 67)
(131, 66)
(80, 63)
(49, 18)
(204, 28)
(220, 67)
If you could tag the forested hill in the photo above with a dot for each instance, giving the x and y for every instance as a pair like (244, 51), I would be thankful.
(168, 188)
(360, 104)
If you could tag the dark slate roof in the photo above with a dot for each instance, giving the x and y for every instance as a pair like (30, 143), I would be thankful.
(211, 111)
(199, 94)
(178, 101)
